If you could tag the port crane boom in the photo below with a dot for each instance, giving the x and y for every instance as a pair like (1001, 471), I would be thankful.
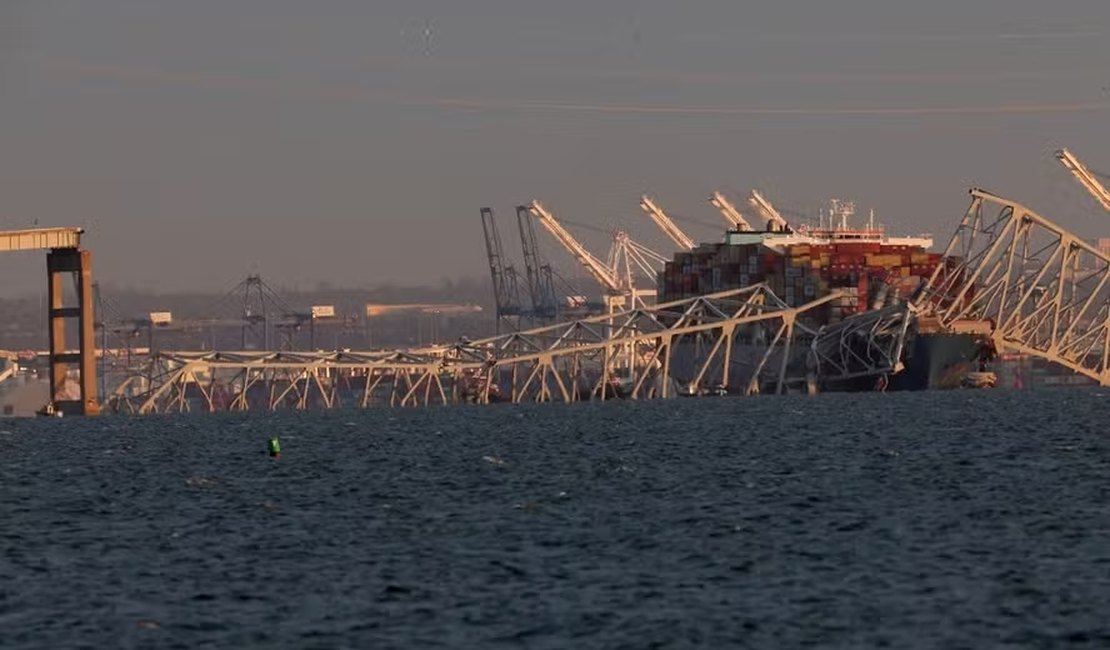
(593, 266)
(729, 212)
(665, 224)
(767, 211)
(1085, 177)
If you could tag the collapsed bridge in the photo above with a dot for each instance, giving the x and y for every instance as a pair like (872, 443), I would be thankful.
(1021, 281)
(1044, 291)
(1018, 281)
(744, 338)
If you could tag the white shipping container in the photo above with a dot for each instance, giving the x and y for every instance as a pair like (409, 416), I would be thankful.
(161, 318)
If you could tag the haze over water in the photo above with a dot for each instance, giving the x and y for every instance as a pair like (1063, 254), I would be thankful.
(353, 142)
(927, 520)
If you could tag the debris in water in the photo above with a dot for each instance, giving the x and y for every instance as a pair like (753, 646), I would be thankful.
(201, 482)
(493, 460)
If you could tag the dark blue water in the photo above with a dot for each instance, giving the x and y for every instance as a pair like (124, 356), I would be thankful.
(943, 520)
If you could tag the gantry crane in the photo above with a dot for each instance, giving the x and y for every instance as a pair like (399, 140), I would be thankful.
(541, 284)
(627, 257)
(768, 212)
(729, 212)
(617, 289)
(1085, 177)
(506, 290)
(665, 224)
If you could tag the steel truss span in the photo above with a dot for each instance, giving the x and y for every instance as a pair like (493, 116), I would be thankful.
(1045, 291)
(867, 345)
(743, 341)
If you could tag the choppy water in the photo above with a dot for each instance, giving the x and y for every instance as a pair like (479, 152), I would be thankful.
(941, 520)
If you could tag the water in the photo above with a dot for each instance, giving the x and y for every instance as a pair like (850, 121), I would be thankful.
(943, 520)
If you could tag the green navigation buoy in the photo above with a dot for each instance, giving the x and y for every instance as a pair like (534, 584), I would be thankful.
(275, 447)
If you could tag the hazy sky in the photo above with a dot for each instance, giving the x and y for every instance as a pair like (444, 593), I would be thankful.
(354, 141)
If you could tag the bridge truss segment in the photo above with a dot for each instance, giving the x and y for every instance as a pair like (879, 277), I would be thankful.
(175, 382)
(741, 341)
(862, 349)
(1045, 291)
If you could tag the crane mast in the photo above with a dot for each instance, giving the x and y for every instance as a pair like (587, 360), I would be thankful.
(665, 224)
(729, 212)
(506, 293)
(541, 286)
(768, 211)
(594, 266)
(1085, 177)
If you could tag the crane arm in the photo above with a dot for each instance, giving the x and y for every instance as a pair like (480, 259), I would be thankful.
(665, 224)
(649, 261)
(594, 266)
(767, 211)
(729, 212)
(1085, 177)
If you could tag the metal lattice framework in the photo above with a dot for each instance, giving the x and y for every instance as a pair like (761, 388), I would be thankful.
(1045, 291)
(630, 261)
(741, 340)
(745, 341)
(863, 347)
(244, 381)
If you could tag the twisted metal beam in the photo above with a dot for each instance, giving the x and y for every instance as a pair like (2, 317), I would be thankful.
(861, 348)
(1045, 291)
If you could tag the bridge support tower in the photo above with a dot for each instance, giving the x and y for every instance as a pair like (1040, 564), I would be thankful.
(77, 263)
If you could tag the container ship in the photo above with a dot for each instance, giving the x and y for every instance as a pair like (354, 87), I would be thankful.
(866, 265)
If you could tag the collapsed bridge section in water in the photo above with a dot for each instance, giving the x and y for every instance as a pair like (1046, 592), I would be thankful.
(1044, 291)
(742, 341)
(1010, 279)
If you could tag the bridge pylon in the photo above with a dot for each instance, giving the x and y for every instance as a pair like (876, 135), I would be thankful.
(78, 263)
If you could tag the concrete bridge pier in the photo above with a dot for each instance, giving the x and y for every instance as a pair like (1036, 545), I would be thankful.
(78, 263)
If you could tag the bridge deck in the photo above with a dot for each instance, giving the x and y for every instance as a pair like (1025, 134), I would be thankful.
(36, 239)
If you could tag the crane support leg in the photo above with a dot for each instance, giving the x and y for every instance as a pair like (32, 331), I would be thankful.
(61, 261)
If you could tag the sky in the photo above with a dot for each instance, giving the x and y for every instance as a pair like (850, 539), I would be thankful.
(353, 142)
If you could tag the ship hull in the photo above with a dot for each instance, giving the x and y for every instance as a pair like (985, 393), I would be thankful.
(938, 361)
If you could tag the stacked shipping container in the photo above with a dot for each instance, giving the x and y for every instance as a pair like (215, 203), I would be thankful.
(800, 273)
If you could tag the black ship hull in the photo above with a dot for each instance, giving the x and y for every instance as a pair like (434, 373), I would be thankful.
(938, 361)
